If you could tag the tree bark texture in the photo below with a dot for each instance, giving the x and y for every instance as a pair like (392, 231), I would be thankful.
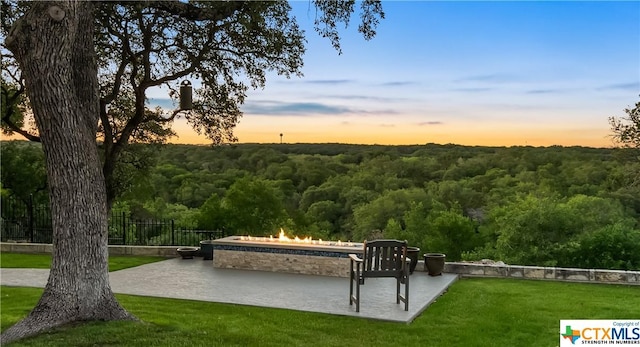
(54, 45)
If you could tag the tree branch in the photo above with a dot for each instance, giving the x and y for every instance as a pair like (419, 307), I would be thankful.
(106, 128)
(10, 104)
(156, 118)
(194, 13)
(20, 131)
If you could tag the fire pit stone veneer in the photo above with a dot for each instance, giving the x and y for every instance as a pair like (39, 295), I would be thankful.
(327, 258)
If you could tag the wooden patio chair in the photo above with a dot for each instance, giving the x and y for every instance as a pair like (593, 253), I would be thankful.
(381, 258)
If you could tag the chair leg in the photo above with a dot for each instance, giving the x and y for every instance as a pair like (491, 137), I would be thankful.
(358, 296)
(359, 281)
(406, 292)
(351, 279)
(354, 276)
(405, 280)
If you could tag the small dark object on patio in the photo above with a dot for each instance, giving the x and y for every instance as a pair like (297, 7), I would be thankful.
(434, 263)
(188, 252)
(413, 253)
(206, 249)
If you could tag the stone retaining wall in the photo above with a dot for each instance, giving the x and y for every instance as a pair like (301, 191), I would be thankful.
(340, 266)
(159, 251)
(544, 273)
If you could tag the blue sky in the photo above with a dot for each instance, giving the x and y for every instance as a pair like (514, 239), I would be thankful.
(474, 73)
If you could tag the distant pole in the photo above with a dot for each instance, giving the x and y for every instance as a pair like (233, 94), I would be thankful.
(280, 138)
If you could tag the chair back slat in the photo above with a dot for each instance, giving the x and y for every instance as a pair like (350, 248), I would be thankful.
(384, 258)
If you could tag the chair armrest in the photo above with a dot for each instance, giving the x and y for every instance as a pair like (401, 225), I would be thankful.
(354, 257)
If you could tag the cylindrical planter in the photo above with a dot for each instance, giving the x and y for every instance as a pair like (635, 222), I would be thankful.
(434, 263)
(413, 253)
(206, 249)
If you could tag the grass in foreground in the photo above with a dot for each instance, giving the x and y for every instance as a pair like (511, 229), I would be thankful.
(474, 312)
(43, 261)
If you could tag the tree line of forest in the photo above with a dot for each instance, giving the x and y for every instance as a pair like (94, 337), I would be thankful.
(551, 206)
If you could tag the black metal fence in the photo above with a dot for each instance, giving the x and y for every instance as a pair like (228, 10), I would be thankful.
(23, 221)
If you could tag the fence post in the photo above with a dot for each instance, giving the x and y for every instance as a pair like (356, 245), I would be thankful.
(124, 229)
(173, 240)
(31, 212)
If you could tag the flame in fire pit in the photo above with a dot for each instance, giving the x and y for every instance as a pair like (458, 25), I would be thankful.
(285, 239)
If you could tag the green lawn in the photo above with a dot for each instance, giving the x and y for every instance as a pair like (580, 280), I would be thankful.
(43, 261)
(474, 312)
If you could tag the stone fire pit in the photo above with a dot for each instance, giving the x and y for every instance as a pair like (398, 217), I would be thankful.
(328, 258)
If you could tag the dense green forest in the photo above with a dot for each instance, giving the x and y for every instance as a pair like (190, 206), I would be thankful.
(551, 206)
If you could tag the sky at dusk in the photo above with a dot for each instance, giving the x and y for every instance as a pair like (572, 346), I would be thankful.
(471, 73)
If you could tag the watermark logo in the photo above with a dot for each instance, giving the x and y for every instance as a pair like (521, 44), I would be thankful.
(570, 334)
(599, 332)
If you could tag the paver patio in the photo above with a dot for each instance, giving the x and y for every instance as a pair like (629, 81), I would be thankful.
(195, 279)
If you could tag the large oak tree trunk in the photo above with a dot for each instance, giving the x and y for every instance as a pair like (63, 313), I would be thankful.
(53, 43)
